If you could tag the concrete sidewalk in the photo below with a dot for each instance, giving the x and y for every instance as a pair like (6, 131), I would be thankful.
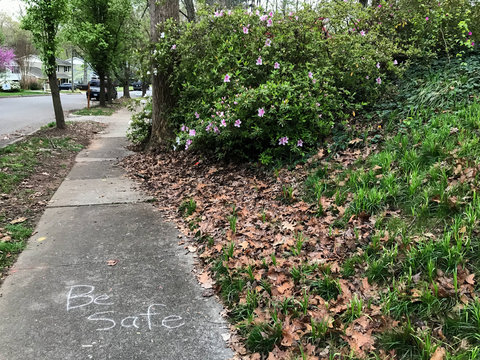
(103, 277)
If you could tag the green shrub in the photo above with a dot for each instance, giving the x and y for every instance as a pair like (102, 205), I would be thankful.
(140, 126)
(268, 85)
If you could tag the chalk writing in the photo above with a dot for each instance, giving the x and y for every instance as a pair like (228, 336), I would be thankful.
(80, 296)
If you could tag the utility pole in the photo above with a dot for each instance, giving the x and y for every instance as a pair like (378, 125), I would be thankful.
(73, 84)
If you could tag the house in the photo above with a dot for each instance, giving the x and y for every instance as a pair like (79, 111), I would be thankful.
(30, 70)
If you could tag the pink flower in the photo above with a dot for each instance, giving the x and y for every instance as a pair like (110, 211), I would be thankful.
(310, 75)
(209, 126)
(473, 43)
(378, 65)
(367, 77)
(395, 62)
(270, 14)
(268, 42)
(426, 19)
(362, 33)
(261, 112)
(237, 123)
(174, 47)
(259, 60)
(229, 12)
(470, 33)
(189, 142)
(226, 78)
(197, 115)
(300, 143)
(223, 123)
(218, 13)
(245, 30)
(314, 81)
(192, 132)
(276, 65)
(378, 80)
(269, 22)
(263, 18)
(379, 5)
(183, 128)
(283, 141)
(215, 130)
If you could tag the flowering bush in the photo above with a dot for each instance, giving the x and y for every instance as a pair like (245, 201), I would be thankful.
(140, 126)
(254, 83)
(251, 83)
(12, 86)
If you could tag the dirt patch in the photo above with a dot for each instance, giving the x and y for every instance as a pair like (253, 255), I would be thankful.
(27, 200)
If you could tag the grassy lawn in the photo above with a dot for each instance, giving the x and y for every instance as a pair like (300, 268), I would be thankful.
(96, 111)
(23, 93)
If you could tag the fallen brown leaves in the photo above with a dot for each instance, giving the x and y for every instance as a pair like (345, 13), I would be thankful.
(267, 230)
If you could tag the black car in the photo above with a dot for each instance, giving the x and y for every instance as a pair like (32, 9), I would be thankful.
(66, 86)
(137, 86)
(95, 91)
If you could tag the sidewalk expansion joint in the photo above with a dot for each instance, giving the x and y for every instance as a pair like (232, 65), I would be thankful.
(100, 204)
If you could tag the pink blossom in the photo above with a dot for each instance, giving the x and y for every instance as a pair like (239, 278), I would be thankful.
(318, 104)
(283, 141)
(310, 75)
(223, 123)
(379, 5)
(183, 128)
(6, 57)
(229, 12)
(226, 78)
(296, 17)
(245, 30)
(290, 13)
(237, 123)
(300, 143)
(378, 65)
(197, 115)
(314, 81)
(367, 77)
(235, 103)
(174, 47)
(261, 112)
(270, 14)
(215, 130)
(473, 43)
(192, 132)
(426, 19)
(209, 126)
(362, 33)
(395, 62)
(257, 12)
(269, 22)
(268, 42)
(259, 60)
(378, 80)
(218, 13)
(276, 65)
(263, 18)
(187, 145)
(470, 33)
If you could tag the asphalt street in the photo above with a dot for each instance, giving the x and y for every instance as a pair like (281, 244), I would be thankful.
(22, 115)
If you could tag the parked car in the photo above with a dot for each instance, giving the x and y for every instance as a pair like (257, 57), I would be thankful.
(137, 86)
(95, 91)
(66, 86)
(81, 86)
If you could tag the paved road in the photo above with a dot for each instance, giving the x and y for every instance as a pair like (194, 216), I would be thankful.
(22, 115)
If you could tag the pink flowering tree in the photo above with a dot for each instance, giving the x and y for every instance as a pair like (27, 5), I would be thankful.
(6, 57)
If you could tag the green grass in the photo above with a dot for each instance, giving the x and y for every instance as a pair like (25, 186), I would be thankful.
(425, 172)
(95, 111)
(18, 161)
(23, 93)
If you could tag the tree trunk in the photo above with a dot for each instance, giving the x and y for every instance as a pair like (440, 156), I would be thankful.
(57, 104)
(102, 89)
(109, 90)
(126, 78)
(190, 10)
(161, 96)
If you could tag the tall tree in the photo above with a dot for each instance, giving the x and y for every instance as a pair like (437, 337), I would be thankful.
(161, 95)
(98, 28)
(43, 19)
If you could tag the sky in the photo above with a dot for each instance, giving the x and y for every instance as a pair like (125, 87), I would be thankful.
(11, 7)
